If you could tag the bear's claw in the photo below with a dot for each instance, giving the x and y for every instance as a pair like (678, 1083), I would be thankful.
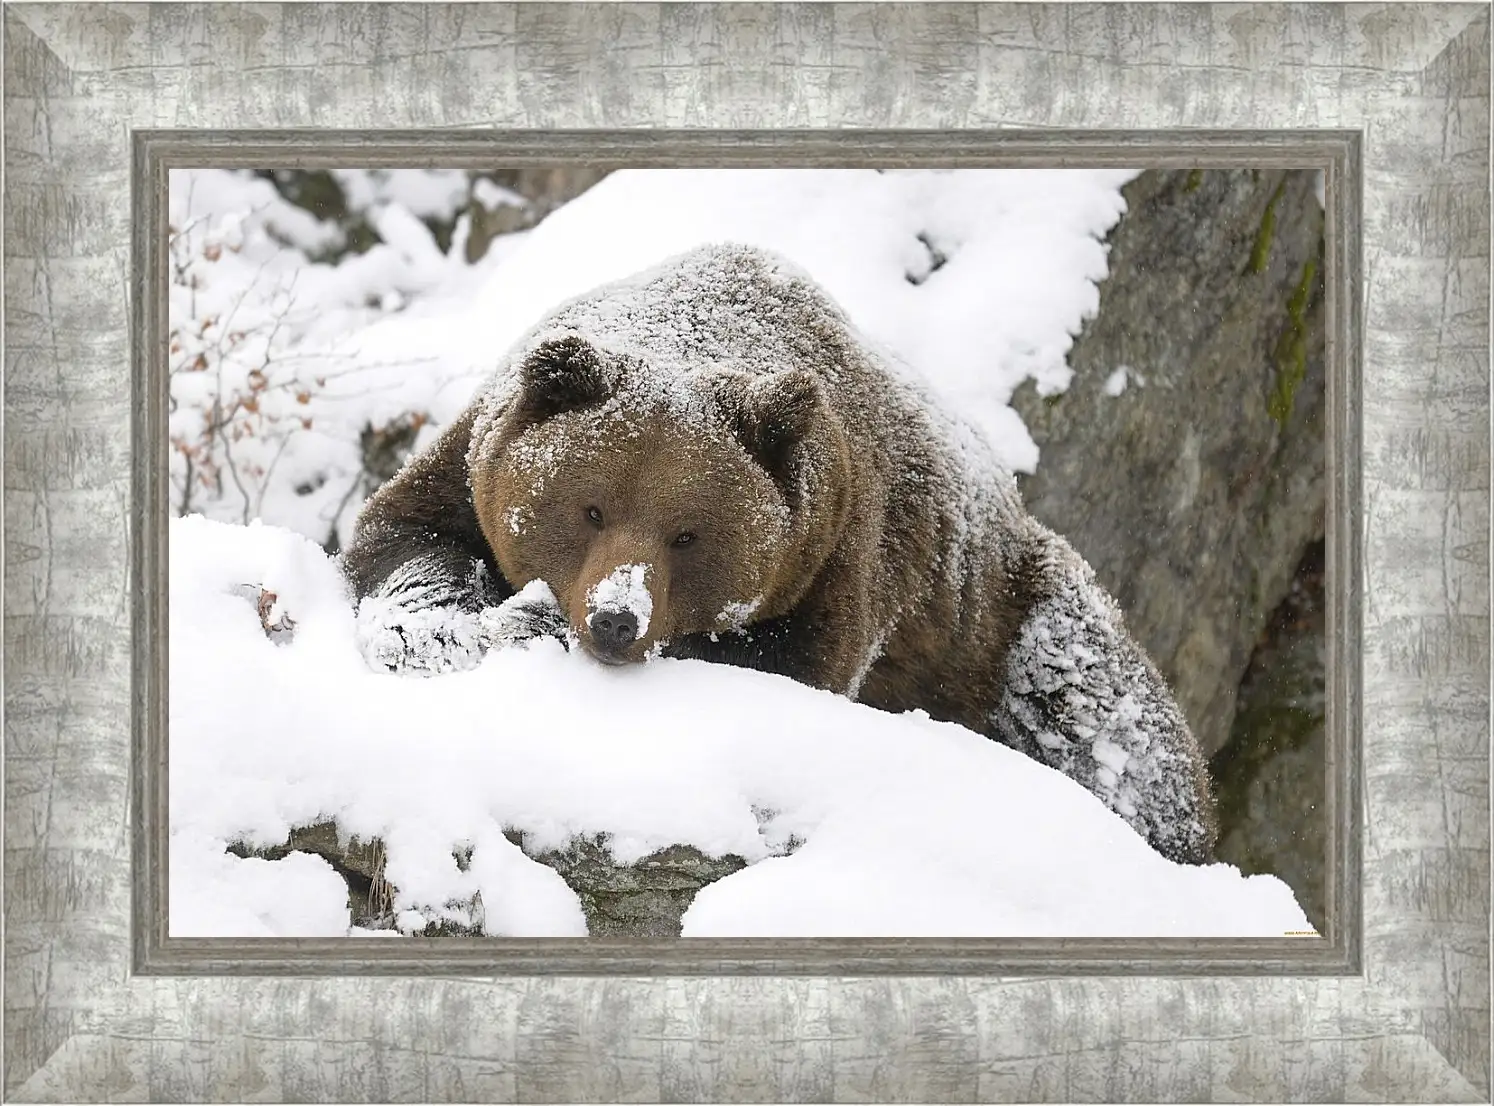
(425, 642)
(430, 641)
(521, 618)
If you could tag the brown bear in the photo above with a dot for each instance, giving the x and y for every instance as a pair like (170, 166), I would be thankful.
(707, 460)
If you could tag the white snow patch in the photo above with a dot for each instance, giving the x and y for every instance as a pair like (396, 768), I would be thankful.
(1111, 756)
(435, 193)
(215, 893)
(734, 616)
(912, 828)
(536, 591)
(493, 195)
(1124, 375)
(624, 588)
(863, 670)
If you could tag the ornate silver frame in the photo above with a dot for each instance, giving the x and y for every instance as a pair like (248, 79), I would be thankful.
(157, 152)
(1394, 1002)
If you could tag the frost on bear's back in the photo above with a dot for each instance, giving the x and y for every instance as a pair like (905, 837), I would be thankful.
(722, 306)
(737, 307)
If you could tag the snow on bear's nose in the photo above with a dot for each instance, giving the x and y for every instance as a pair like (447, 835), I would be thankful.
(619, 607)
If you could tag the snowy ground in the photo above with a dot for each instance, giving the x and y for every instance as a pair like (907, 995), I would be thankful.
(912, 827)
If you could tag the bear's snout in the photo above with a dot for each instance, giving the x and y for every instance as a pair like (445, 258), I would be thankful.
(616, 615)
(613, 630)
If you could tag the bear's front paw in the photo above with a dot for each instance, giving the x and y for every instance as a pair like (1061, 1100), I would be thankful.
(421, 642)
(532, 613)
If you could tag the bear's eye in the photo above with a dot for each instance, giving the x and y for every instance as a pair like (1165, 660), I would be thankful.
(594, 515)
(684, 539)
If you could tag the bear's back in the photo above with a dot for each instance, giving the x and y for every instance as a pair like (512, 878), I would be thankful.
(725, 305)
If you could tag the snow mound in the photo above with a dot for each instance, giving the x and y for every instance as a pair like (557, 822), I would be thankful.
(910, 827)
(213, 892)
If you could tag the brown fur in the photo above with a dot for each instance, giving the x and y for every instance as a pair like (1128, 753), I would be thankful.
(815, 482)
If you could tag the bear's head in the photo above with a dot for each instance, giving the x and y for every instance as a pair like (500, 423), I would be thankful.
(657, 503)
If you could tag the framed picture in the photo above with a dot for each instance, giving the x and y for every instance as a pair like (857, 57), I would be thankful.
(393, 568)
(1094, 575)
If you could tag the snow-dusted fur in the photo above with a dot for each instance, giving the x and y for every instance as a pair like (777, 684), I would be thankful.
(1083, 698)
(879, 549)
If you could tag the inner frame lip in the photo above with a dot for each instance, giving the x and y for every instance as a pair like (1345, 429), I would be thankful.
(1338, 952)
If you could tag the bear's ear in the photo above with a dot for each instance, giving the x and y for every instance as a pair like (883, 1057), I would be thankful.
(562, 374)
(779, 411)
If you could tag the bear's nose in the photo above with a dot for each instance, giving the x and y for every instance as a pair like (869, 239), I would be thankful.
(613, 629)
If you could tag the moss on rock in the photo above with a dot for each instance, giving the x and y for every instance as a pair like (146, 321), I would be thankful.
(1260, 253)
(1291, 348)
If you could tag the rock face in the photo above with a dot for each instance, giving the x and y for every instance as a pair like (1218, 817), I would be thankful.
(644, 899)
(360, 863)
(1270, 778)
(1186, 459)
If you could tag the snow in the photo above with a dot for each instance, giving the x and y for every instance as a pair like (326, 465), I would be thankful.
(493, 195)
(1117, 382)
(434, 193)
(977, 278)
(624, 588)
(735, 615)
(909, 827)
(215, 893)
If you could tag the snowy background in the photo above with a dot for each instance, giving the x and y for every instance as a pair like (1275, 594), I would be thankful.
(307, 358)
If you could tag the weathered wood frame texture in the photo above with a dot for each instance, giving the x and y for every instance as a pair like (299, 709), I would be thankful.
(1399, 94)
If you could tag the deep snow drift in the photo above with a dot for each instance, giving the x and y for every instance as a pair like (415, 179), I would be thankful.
(911, 827)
